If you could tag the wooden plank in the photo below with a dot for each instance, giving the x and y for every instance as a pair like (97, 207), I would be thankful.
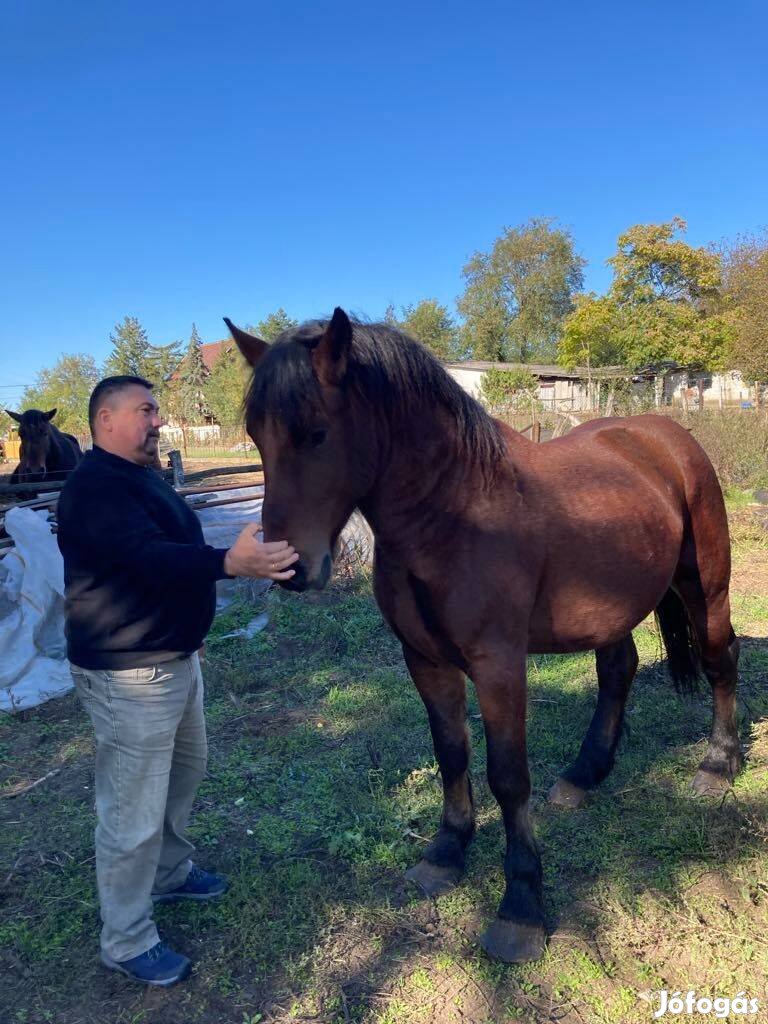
(50, 485)
(224, 501)
(224, 471)
(184, 491)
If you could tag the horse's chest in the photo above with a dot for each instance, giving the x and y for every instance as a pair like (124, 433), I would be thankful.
(414, 612)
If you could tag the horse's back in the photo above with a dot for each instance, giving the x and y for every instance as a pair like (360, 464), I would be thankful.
(614, 498)
(70, 451)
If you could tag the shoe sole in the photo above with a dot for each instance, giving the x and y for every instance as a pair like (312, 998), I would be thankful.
(113, 965)
(173, 897)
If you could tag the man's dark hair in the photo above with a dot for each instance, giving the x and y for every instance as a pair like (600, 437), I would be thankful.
(107, 387)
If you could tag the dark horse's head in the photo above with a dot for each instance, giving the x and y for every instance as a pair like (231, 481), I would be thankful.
(328, 405)
(299, 416)
(35, 436)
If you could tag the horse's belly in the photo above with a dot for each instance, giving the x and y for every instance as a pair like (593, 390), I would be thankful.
(598, 606)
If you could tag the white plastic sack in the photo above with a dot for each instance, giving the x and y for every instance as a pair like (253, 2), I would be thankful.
(33, 665)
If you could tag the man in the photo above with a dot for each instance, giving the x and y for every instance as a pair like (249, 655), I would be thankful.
(140, 598)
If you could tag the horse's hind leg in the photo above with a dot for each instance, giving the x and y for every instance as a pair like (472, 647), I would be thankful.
(711, 619)
(443, 690)
(723, 757)
(616, 667)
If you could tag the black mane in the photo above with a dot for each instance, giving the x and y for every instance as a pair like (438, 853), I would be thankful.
(393, 373)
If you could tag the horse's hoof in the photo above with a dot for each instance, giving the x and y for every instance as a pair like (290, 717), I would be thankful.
(565, 794)
(513, 943)
(432, 878)
(709, 784)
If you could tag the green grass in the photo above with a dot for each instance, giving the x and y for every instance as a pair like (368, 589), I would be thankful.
(322, 789)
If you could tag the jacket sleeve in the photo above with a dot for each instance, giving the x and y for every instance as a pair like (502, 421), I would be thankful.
(121, 533)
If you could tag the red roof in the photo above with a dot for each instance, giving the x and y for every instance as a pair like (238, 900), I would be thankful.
(211, 352)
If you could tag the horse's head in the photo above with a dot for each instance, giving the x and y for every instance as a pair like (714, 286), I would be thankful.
(35, 437)
(318, 458)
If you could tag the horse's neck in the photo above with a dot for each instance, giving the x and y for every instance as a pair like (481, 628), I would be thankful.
(57, 451)
(425, 484)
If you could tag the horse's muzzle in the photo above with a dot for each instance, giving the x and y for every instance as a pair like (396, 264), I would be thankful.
(301, 580)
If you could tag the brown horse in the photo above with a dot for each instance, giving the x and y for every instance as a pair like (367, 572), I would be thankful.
(489, 547)
(46, 452)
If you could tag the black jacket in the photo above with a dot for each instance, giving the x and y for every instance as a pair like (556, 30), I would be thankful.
(139, 578)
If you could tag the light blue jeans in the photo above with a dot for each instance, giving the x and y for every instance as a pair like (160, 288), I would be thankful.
(151, 754)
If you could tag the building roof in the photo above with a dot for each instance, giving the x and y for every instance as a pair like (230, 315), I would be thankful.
(210, 353)
(213, 349)
(539, 370)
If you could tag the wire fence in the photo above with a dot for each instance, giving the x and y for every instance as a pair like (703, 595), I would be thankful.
(208, 442)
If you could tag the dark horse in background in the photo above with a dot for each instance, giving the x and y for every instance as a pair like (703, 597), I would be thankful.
(46, 452)
(490, 547)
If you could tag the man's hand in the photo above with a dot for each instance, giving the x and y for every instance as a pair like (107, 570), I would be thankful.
(249, 557)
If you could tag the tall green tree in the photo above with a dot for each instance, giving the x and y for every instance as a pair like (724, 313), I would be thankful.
(66, 386)
(390, 316)
(668, 293)
(133, 354)
(592, 333)
(430, 323)
(225, 387)
(664, 303)
(131, 351)
(190, 388)
(746, 304)
(163, 363)
(273, 325)
(518, 294)
(653, 263)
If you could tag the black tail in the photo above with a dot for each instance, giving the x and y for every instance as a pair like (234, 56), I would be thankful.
(681, 642)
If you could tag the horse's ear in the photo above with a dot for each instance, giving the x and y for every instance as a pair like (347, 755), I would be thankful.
(50, 415)
(330, 355)
(253, 348)
(14, 415)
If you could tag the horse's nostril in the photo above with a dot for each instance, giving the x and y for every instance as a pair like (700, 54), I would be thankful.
(299, 579)
(300, 573)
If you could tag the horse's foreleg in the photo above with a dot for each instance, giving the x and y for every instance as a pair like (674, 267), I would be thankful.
(518, 933)
(443, 690)
(616, 667)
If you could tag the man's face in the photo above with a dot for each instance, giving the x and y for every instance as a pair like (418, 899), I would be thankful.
(129, 424)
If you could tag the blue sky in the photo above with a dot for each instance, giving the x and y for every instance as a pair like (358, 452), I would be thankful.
(181, 162)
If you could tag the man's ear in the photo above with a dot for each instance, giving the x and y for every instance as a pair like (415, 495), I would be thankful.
(253, 348)
(331, 354)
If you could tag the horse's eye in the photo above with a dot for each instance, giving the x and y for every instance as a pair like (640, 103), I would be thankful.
(317, 437)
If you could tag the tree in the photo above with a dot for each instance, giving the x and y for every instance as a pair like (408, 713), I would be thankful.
(592, 333)
(133, 354)
(668, 296)
(225, 387)
(604, 332)
(519, 293)
(273, 325)
(131, 351)
(390, 316)
(510, 390)
(746, 301)
(190, 390)
(430, 323)
(652, 264)
(66, 387)
(163, 363)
